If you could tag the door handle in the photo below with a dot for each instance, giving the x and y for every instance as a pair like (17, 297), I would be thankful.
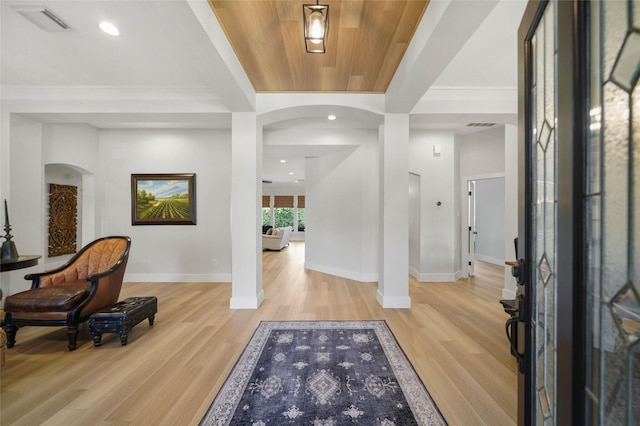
(516, 310)
(509, 329)
(517, 271)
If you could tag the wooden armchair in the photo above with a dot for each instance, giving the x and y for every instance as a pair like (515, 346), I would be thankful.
(68, 295)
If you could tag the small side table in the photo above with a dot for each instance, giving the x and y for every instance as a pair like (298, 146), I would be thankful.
(3, 341)
(19, 263)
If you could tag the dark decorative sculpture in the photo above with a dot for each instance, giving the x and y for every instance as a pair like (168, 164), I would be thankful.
(9, 251)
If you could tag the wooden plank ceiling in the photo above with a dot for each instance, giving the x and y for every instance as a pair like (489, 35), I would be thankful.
(366, 41)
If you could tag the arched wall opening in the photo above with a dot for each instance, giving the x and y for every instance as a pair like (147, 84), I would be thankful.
(334, 165)
(84, 218)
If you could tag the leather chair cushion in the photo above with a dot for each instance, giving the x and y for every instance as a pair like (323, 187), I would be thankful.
(98, 258)
(48, 299)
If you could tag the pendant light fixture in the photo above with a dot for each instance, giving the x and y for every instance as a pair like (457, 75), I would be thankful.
(316, 25)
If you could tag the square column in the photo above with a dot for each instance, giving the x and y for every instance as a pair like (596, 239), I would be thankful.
(393, 285)
(246, 219)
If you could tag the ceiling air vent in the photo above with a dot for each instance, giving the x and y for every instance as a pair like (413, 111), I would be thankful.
(481, 124)
(43, 18)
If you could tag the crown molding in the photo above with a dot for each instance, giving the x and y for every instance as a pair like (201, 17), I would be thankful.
(472, 92)
(111, 99)
(107, 93)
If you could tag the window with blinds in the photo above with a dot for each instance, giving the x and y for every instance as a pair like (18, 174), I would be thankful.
(301, 213)
(266, 212)
(284, 213)
(283, 201)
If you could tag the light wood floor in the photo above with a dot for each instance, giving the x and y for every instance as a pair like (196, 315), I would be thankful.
(170, 373)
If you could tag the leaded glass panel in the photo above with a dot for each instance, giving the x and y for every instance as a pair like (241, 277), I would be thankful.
(612, 213)
(544, 165)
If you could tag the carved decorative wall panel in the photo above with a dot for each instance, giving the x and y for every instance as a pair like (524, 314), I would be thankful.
(63, 212)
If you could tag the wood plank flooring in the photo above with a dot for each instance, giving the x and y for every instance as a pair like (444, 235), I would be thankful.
(170, 373)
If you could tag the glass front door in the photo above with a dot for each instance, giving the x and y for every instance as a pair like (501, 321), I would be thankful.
(579, 123)
(543, 158)
(612, 213)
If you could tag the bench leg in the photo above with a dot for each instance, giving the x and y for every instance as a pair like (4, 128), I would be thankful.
(97, 339)
(151, 319)
(124, 334)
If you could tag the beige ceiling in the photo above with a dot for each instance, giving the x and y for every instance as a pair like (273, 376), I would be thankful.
(366, 41)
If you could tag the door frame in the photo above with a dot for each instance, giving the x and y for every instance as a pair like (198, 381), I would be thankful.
(464, 207)
(572, 109)
(471, 227)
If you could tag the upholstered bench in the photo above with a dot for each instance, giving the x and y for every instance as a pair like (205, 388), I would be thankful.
(122, 317)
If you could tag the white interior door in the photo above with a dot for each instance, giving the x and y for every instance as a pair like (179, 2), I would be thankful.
(471, 226)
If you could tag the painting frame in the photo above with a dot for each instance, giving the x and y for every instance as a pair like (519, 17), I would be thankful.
(160, 199)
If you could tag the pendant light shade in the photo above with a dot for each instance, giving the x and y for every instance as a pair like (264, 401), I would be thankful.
(316, 25)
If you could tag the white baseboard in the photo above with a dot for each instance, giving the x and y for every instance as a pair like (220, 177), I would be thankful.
(297, 236)
(444, 277)
(356, 276)
(414, 273)
(489, 259)
(391, 302)
(189, 278)
(508, 294)
(247, 302)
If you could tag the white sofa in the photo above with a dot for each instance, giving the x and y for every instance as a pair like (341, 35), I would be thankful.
(276, 238)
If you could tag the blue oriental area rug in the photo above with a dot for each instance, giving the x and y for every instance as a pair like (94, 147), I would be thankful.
(323, 373)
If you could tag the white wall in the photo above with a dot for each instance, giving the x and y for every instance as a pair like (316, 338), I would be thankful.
(282, 189)
(70, 157)
(511, 206)
(34, 147)
(490, 220)
(72, 144)
(482, 153)
(25, 199)
(341, 199)
(481, 157)
(490, 154)
(170, 252)
(414, 225)
(457, 239)
(438, 242)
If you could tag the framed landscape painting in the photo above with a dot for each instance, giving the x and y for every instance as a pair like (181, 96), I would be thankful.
(163, 199)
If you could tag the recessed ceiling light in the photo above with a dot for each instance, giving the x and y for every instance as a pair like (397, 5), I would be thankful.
(291, 173)
(109, 28)
(331, 117)
(283, 161)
